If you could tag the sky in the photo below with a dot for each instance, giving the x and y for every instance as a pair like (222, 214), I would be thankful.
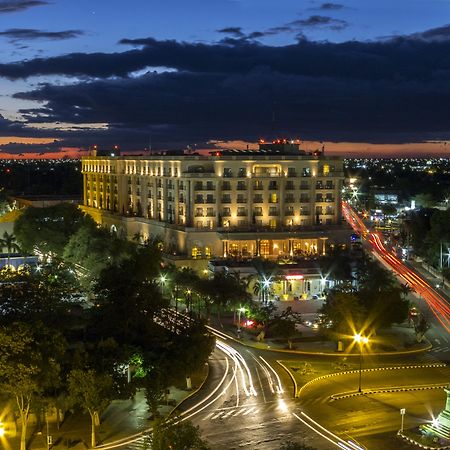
(362, 77)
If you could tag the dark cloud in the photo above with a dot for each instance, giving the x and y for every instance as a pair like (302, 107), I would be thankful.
(27, 34)
(322, 21)
(386, 91)
(232, 31)
(330, 6)
(435, 34)
(11, 6)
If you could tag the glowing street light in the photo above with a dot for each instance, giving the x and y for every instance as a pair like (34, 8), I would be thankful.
(361, 340)
(162, 282)
(240, 310)
(2, 430)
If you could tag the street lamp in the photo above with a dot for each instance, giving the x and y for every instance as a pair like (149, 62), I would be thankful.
(162, 282)
(360, 340)
(266, 287)
(240, 310)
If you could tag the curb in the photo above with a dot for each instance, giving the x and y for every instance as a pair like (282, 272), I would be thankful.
(412, 441)
(191, 394)
(323, 377)
(345, 395)
(303, 352)
(292, 377)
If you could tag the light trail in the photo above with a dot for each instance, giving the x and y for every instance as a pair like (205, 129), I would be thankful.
(326, 434)
(279, 387)
(437, 303)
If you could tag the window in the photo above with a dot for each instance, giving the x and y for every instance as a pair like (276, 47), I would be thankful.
(273, 185)
(198, 186)
(329, 210)
(210, 186)
(304, 211)
(227, 172)
(319, 210)
(291, 172)
(226, 186)
(257, 185)
(198, 212)
(241, 185)
(196, 252)
(208, 252)
(226, 212)
(242, 172)
(210, 212)
(210, 198)
(241, 211)
(273, 198)
(273, 211)
(306, 172)
(289, 211)
(241, 198)
(289, 198)
(304, 185)
(226, 198)
(199, 199)
(329, 198)
(290, 185)
(257, 198)
(257, 211)
(304, 198)
(319, 198)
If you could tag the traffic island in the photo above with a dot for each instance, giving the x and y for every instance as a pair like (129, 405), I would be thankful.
(417, 438)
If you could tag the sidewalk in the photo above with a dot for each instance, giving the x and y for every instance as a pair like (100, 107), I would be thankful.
(122, 418)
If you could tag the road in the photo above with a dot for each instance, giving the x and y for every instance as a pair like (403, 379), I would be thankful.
(373, 419)
(436, 302)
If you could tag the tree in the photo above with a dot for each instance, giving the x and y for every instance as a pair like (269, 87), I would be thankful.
(284, 325)
(190, 350)
(342, 314)
(9, 242)
(48, 230)
(92, 392)
(179, 435)
(90, 250)
(29, 366)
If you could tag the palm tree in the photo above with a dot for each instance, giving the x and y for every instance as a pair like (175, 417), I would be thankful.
(9, 242)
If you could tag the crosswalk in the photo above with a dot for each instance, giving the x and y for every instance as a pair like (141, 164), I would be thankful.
(247, 411)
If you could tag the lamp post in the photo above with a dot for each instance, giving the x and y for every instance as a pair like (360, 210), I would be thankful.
(360, 340)
(162, 282)
(240, 310)
(402, 413)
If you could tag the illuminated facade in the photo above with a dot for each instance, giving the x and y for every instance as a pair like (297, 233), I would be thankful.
(275, 202)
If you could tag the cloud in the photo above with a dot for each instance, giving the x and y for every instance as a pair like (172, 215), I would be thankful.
(322, 21)
(388, 91)
(233, 31)
(11, 6)
(27, 34)
(331, 6)
(434, 34)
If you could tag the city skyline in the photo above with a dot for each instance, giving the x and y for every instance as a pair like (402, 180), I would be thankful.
(362, 79)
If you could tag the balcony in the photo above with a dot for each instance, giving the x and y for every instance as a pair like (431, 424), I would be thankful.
(274, 213)
(242, 214)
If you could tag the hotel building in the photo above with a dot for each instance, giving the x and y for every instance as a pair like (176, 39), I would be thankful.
(275, 202)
